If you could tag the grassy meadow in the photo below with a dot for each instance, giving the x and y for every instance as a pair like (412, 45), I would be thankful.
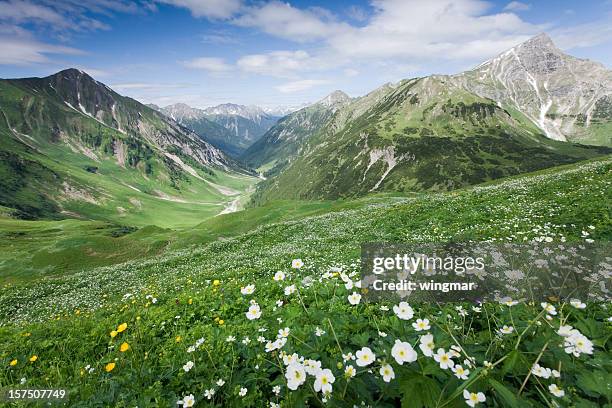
(219, 313)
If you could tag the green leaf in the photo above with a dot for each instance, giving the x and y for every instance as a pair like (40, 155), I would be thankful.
(505, 395)
(419, 391)
(595, 383)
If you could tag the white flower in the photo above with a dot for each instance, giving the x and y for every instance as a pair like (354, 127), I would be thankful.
(556, 391)
(279, 303)
(279, 276)
(577, 344)
(319, 332)
(508, 302)
(461, 372)
(387, 372)
(506, 329)
(243, 391)
(403, 311)
(427, 345)
(199, 342)
(187, 401)
(421, 324)
(23, 380)
(566, 331)
(276, 389)
(577, 304)
(290, 358)
(297, 263)
(209, 393)
(323, 381)
(384, 308)
(349, 371)
(349, 285)
(280, 343)
(188, 366)
(289, 290)
(312, 367)
(247, 290)
(246, 341)
(283, 332)
(274, 405)
(550, 309)
(220, 382)
(230, 339)
(472, 398)
(403, 352)
(382, 334)
(540, 371)
(295, 376)
(556, 374)
(365, 357)
(191, 349)
(254, 312)
(354, 298)
(348, 356)
(444, 359)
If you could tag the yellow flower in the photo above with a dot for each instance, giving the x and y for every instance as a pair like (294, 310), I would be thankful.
(77, 312)
(13, 363)
(137, 317)
(190, 301)
(178, 339)
(113, 334)
(121, 327)
(217, 319)
(109, 367)
(33, 358)
(124, 347)
(216, 282)
(221, 322)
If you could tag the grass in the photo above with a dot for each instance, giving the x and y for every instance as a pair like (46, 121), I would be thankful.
(170, 302)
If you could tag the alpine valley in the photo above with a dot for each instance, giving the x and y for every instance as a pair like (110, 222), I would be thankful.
(210, 256)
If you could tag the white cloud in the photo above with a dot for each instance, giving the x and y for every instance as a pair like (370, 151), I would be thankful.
(350, 72)
(357, 13)
(214, 9)
(433, 30)
(17, 47)
(400, 31)
(284, 64)
(301, 85)
(23, 11)
(285, 21)
(210, 64)
(517, 6)
(584, 35)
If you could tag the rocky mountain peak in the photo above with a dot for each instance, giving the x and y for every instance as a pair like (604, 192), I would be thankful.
(334, 98)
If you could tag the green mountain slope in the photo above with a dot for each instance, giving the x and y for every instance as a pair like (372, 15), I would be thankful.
(435, 133)
(72, 147)
(284, 140)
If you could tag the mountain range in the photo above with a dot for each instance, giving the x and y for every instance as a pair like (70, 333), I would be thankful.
(71, 146)
(230, 127)
(529, 108)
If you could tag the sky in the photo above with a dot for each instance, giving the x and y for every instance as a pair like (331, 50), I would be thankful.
(273, 53)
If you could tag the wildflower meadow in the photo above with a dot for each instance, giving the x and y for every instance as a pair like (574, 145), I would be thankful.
(277, 317)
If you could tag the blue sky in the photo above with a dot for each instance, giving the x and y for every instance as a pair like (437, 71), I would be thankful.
(272, 53)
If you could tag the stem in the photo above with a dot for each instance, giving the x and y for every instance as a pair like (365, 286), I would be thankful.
(534, 363)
